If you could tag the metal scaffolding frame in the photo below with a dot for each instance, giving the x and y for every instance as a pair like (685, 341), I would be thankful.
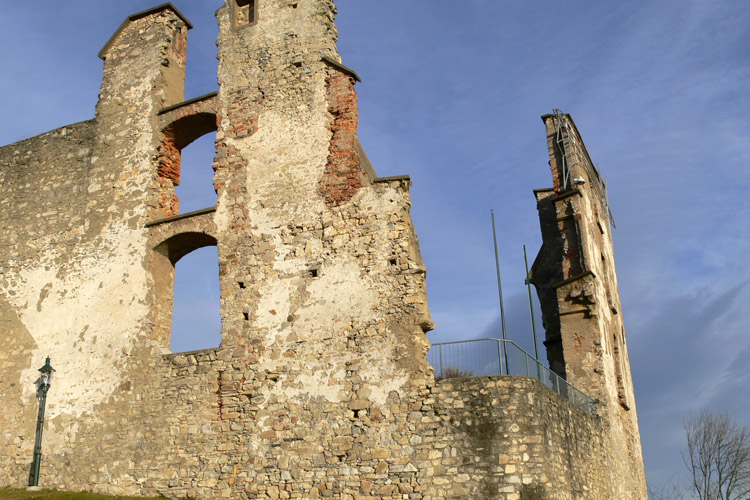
(571, 155)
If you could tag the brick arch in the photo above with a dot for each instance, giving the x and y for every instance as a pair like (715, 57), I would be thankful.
(176, 247)
(180, 125)
(189, 128)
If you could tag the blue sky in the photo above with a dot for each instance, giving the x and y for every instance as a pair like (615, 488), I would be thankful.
(452, 96)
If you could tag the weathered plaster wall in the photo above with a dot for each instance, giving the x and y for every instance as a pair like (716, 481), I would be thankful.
(54, 269)
(74, 247)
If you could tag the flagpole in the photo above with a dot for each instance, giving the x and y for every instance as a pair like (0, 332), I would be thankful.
(500, 293)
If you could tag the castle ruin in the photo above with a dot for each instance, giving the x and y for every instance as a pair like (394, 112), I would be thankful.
(320, 387)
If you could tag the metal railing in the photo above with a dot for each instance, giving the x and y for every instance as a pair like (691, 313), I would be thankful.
(480, 357)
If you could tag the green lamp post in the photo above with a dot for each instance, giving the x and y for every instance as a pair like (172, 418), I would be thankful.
(44, 383)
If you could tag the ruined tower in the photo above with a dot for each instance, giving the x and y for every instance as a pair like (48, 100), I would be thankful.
(320, 386)
(575, 278)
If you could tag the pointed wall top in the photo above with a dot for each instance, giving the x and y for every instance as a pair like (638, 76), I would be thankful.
(139, 15)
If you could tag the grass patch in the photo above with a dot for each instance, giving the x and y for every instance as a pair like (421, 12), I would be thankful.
(22, 494)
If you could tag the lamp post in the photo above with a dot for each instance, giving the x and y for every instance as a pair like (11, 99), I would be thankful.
(44, 383)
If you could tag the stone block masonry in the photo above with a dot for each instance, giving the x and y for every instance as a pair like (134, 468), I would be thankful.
(320, 387)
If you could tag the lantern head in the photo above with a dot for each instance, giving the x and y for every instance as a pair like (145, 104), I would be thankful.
(46, 372)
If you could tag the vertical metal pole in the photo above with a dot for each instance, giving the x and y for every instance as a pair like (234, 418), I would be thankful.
(441, 359)
(38, 440)
(531, 312)
(499, 356)
(500, 292)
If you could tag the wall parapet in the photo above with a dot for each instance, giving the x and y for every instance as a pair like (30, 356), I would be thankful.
(490, 356)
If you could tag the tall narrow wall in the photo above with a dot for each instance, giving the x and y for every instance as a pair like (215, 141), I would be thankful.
(43, 218)
(575, 278)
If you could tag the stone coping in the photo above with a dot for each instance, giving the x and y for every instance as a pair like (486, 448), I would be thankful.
(392, 178)
(189, 101)
(574, 278)
(139, 15)
(181, 216)
(196, 352)
(341, 67)
(565, 194)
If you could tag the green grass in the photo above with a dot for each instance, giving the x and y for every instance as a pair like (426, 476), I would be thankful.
(22, 494)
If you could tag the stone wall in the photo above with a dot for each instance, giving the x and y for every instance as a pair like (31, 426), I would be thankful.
(37, 219)
(510, 438)
(320, 387)
(38, 225)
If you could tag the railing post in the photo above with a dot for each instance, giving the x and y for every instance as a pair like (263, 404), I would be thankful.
(441, 359)
(527, 364)
(502, 352)
(507, 361)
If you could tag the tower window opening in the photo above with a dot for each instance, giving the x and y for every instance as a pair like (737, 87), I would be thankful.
(196, 320)
(196, 187)
(244, 12)
(184, 168)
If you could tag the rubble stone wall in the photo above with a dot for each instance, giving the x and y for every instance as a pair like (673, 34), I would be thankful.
(34, 222)
(510, 438)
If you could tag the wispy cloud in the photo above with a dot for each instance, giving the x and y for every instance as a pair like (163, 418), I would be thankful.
(687, 355)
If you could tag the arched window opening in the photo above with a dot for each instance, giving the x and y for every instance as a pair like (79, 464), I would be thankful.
(185, 158)
(196, 189)
(196, 321)
(186, 307)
